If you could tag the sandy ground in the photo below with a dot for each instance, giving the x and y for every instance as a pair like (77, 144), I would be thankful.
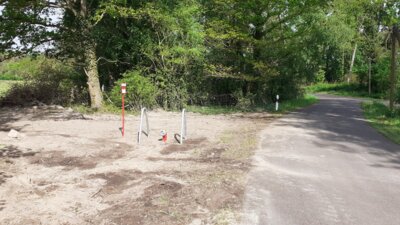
(68, 168)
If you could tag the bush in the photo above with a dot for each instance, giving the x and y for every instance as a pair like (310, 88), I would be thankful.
(19, 68)
(244, 102)
(50, 82)
(140, 91)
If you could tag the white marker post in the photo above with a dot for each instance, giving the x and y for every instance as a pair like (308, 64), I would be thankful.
(183, 127)
(142, 115)
(277, 103)
(123, 92)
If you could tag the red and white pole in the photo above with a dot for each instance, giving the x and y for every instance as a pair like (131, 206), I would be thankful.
(123, 91)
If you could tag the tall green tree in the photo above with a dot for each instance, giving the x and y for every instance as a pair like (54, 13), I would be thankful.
(28, 26)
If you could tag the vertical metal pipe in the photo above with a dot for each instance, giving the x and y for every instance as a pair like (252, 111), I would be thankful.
(183, 126)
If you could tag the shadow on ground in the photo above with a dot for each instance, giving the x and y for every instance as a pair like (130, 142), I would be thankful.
(339, 124)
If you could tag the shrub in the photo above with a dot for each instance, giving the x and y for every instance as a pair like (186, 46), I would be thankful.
(244, 102)
(51, 82)
(19, 68)
(140, 91)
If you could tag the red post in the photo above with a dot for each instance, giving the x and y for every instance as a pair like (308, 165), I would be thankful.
(123, 114)
(123, 91)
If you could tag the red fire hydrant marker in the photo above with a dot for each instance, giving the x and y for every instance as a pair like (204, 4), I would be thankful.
(164, 138)
(123, 91)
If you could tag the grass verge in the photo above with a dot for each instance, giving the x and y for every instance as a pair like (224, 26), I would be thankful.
(284, 107)
(342, 89)
(106, 109)
(385, 121)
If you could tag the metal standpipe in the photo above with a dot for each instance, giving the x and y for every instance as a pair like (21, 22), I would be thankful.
(183, 127)
(143, 114)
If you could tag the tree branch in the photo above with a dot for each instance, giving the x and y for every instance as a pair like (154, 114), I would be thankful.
(112, 61)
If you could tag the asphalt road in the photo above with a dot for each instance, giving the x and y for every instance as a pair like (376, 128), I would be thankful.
(324, 165)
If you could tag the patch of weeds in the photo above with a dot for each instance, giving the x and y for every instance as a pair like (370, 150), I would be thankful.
(240, 145)
(224, 217)
(221, 176)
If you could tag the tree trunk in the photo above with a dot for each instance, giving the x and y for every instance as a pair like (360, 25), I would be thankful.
(352, 63)
(369, 76)
(393, 69)
(96, 97)
(343, 69)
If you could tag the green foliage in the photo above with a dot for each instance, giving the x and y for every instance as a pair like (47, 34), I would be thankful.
(384, 120)
(107, 108)
(5, 86)
(320, 76)
(19, 68)
(294, 104)
(213, 110)
(284, 107)
(140, 91)
(222, 52)
(45, 80)
(342, 89)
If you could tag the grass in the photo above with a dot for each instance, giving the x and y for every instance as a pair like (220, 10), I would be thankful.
(107, 108)
(285, 106)
(385, 121)
(9, 77)
(342, 89)
(295, 104)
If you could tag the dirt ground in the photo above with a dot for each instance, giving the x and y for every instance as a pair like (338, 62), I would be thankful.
(68, 168)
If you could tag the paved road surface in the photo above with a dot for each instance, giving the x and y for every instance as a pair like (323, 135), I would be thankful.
(324, 165)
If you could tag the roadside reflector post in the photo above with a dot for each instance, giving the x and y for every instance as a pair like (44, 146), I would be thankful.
(277, 103)
(123, 92)
(142, 115)
(183, 127)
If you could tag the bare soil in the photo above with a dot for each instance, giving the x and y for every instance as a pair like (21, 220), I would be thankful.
(68, 168)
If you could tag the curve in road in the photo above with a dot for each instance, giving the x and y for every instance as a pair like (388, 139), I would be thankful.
(324, 165)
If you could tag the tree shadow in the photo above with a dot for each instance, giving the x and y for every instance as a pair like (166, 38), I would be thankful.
(338, 124)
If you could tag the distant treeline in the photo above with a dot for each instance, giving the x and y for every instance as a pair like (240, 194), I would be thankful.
(221, 52)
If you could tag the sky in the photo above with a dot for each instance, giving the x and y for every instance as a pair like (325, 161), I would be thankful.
(55, 17)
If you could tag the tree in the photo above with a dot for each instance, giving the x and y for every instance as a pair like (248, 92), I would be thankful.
(167, 43)
(29, 27)
(256, 46)
(391, 18)
(395, 38)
